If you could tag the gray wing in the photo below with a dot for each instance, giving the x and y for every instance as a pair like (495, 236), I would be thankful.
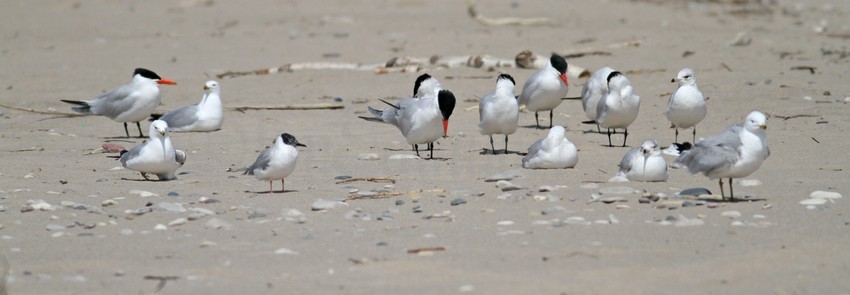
(180, 157)
(113, 103)
(132, 153)
(714, 152)
(626, 163)
(181, 117)
(261, 163)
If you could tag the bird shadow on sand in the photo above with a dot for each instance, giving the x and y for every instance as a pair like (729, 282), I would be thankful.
(541, 127)
(735, 200)
(152, 179)
(490, 152)
(273, 192)
(122, 139)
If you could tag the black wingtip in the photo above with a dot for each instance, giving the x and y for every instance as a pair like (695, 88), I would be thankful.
(75, 102)
(389, 104)
(155, 117)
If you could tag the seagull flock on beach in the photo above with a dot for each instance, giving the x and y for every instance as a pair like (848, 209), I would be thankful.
(608, 99)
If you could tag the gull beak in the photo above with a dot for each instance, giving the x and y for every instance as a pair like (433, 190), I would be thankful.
(564, 78)
(445, 128)
(206, 88)
(763, 126)
(161, 132)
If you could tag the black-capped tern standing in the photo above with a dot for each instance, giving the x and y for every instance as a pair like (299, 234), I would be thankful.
(201, 117)
(737, 152)
(276, 162)
(156, 156)
(499, 111)
(544, 90)
(620, 107)
(686, 107)
(131, 102)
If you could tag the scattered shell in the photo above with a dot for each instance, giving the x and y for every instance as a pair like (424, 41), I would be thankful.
(322, 204)
(506, 186)
(368, 157)
(143, 194)
(178, 221)
(618, 179)
(731, 214)
(505, 222)
(403, 157)
(285, 251)
(108, 202)
(160, 227)
(825, 195)
(507, 175)
(617, 190)
(813, 202)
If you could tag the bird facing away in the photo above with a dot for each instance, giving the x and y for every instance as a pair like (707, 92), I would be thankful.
(620, 107)
(131, 102)
(421, 121)
(277, 161)
(644, 163)
(156, 156)
(205, 116)
(498, 111)
(552, 152)
(545, 88)
(686, 107)
(593, 91)
(737, 152)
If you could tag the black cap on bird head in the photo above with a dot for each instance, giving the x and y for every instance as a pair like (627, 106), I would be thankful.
(613, 74)
(288, 139)
(506, 77)
(147, 74)
(446, 102)
(419, 81)
(559, 63)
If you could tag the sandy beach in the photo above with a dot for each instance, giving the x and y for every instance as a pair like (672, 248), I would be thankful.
(72, 221)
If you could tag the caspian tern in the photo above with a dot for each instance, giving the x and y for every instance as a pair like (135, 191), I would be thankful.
(156, 156)
(545, 88)
(593, 91)
(201, 117)
(552, 152)
(620, 107)
(686, 107)
(276, 162)
(419, 120)
(737, 152)
(131, 102)
(499, 111)
(644, 163)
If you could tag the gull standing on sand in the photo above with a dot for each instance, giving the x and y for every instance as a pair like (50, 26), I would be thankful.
(735, 153)
(156, 156)
(644, 163)
(131, 102)
(201, 117)
(544, 90)
(686, 107)
(276, 162)
(552, 152)
(421, 121)
(620, 107)
(498, 112)
(593, 91)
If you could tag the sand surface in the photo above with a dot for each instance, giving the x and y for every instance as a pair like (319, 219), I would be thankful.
(517, 242)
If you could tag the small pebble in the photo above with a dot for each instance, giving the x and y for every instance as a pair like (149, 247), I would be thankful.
(322, 204)
(505, 222)
(172, 207)
(749, 182)
(643, 200)
(506, 186)
(825, 195)
(173, 194)
(403, 157)
(458, 201)
(206, 244)
(731, 214)
(813, 202)
(399, 202)
(160, 227)
(108, 202)
(55, 227)
(178, 221)
(285, 251)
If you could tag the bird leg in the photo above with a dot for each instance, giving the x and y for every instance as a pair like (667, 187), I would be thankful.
(550, 118)
(125, 130)
(722, 196)
(282, 186)
(431, 149)
(625, 136)
(145, 175)
(491, 144)
(676, 140)
(695, 134)
(609, 138)
(597, 129)
(536, 120)
(139, 125)
(416, 148)
(506, 145)
(731, 193)
(270, 187)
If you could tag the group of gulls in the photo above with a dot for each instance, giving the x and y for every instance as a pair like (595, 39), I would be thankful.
(608, 99)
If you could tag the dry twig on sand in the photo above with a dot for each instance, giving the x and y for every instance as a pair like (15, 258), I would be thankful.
(321, 106)
(511, 21)
(57, 113)
(370, 179)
